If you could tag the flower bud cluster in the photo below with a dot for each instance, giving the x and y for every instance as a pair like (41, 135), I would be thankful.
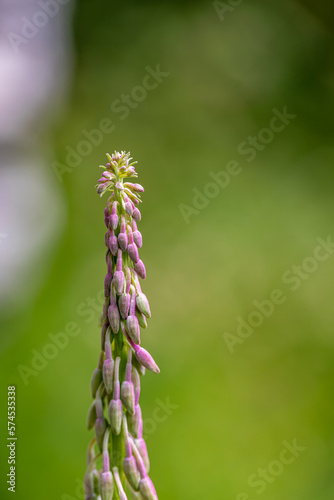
(115, 384)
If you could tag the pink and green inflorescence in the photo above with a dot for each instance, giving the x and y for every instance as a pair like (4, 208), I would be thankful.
(115, 412)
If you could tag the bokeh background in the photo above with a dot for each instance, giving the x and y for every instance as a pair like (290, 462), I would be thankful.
(230, 412)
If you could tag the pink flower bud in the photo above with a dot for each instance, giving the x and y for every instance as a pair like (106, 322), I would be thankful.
(143, 304)
(106, 485)
(121, 493)
(134, 421)
(114, 318)
(123, 237)
(147, 489)
(128, 396)
(115, 412)
(145, 358)
(113, 219)
(142, 448)
(137, 237)
(136, 214)
(107, 283)
(131, 472)
(133, 329)
(140, 269)
(100, 428)
(108, 374)
(124, 305)
(113, 243)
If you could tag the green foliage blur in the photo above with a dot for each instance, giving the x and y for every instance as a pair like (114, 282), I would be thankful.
(232, 411)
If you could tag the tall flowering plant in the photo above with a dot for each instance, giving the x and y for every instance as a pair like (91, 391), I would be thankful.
(115, 384)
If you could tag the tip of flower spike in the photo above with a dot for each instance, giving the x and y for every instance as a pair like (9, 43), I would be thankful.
(119, 167)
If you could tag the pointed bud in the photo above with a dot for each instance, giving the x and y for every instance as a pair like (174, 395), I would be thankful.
(128, 396)
(140, 269)
(108, 374)
(107, 282)
(135, 421)
(133, 252)
(106, 485)
(131, 472)
(123, 237)
(143, 304)
(138, 239)
(91, 417)
(134, 186)
(113, 243)
(113, 219)
(136, 214)
(124, 304)
(114, 318)
(147, 489)
(106, 239)
(128, 208)
(136, 383)
(142, 448)
(115, 412)
(109, 262)
(146, 359)
(141, 319)
(100, 428)
(95, 381)
(133, 329)
(119, 486)
(119, 278)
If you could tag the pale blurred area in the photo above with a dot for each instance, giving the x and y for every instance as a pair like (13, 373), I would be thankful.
(35, 73)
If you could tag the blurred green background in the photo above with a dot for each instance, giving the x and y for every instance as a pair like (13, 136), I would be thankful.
(231, 411)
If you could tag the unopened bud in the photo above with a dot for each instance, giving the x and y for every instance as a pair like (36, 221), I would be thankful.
(131, 472)
(113, 316)
(95, 381)
(124, 304)
(133, 329)
(140, 269)
(134, 421)
(141, 319)
(143, 304)
(136, 214)
(133, 252)
(106, 485)
(147, 489)
(145, 358)
(137, 237)
(115, 412)
(123, 237)
(142, 448)
(128, 396)
(100, 428)
(113, 219)
(108, 374)
(113, 244)
(119, 486)
(107, 282)
(91, 417)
